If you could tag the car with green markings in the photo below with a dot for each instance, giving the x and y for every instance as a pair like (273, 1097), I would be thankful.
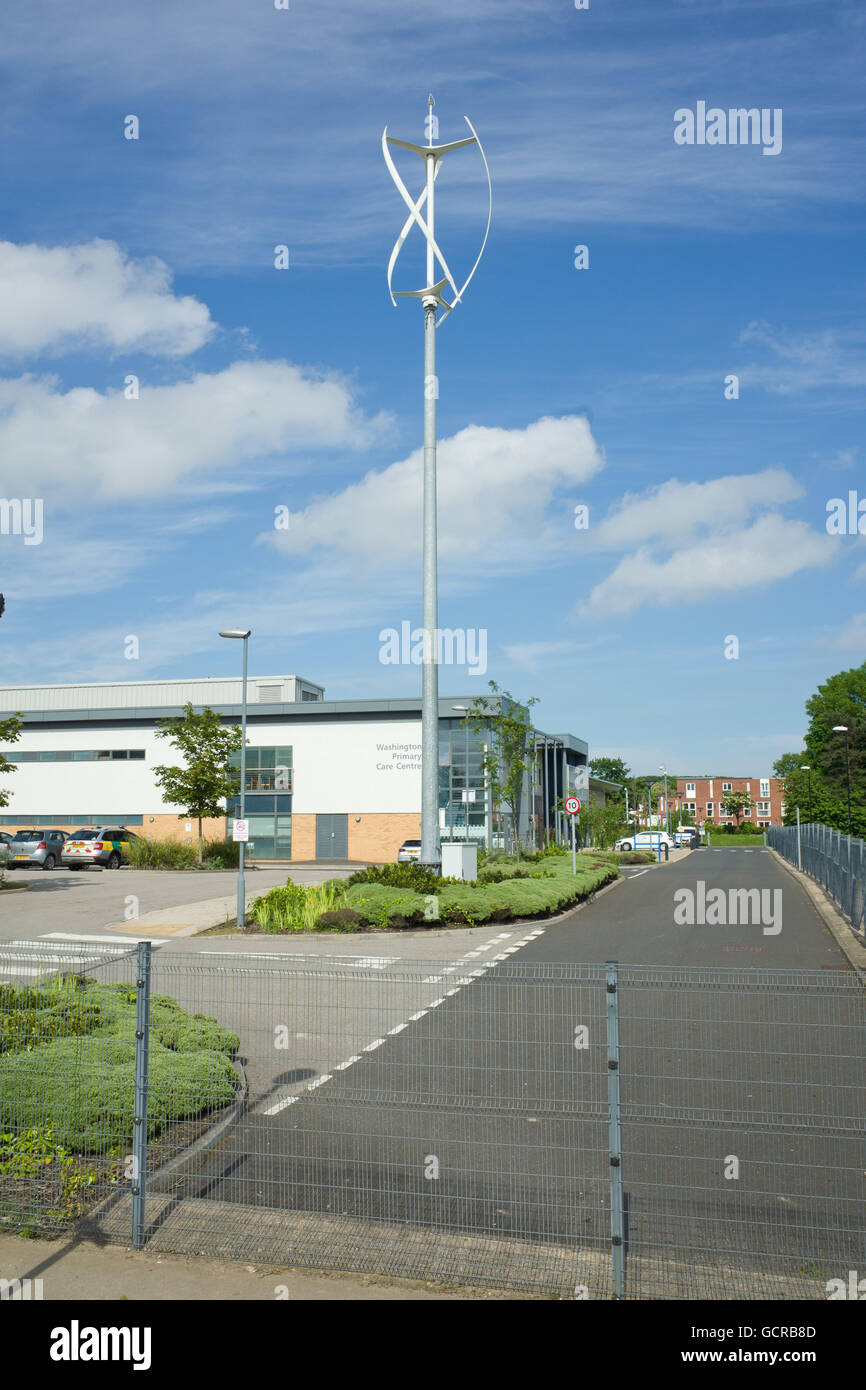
(107, 848)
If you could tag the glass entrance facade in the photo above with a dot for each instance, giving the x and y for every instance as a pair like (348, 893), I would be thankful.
(461, 754)
(267, 802)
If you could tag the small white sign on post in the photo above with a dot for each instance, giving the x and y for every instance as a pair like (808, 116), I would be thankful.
(241, 830)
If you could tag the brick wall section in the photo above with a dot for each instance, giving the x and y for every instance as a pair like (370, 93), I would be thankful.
(379, 836)
(710, 790)
(163, 826)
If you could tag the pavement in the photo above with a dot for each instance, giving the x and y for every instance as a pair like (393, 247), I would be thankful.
(73, 1271)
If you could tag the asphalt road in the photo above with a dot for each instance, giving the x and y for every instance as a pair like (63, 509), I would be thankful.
(485, 1109)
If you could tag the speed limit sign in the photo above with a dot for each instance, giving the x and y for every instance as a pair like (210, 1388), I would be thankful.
(572, 805)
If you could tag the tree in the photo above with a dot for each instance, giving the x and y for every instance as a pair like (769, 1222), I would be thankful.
(821, 793)
(735, 803)
(599, 824)
(10, 732)
(507, 725)
(611, 770)
(205, 781)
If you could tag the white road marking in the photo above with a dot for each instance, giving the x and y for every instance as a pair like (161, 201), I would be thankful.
(103, 940)
(459, 983)
(640, 874)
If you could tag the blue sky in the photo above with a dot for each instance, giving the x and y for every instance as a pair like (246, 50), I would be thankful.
(302, 388)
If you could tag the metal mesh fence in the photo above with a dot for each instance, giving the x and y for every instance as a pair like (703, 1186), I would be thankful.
(834, 860)
(425, 1120)
(66, 1065)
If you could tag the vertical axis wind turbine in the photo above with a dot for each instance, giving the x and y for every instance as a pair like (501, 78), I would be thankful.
(432, 299)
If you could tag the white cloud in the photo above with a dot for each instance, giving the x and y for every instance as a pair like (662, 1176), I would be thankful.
(770, 549)
(674, 511)
(493, 488)
(80, 443)
(806, 361)
(62, 297)
(852, 638)
(531, 656)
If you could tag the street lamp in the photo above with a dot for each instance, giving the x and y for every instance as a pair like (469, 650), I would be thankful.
(843, 729)
(464, 709)
(243, 633)
(431, 297)
(807, 767)
(663, 769)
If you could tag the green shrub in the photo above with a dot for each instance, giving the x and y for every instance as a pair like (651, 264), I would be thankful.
(296, 907)
(415, 876)
(221, 854)
(29, 1016)
(343, 919)
(162, 854)
(81, 1092)
(383, 907)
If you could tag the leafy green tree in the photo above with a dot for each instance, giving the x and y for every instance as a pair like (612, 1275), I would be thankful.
(735, 803)
(821, 793)
(611, 770)
(206, 779)
(507, 727)
(10, 732)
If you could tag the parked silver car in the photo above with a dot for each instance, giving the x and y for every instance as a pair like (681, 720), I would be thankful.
(36, 849)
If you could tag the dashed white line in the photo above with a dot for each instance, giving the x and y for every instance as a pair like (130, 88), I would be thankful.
(459, 983)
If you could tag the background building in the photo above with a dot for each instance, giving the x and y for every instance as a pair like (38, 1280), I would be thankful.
(325, 779)
(703, 796)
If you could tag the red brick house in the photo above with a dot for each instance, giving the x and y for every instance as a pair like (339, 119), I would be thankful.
(703, 797)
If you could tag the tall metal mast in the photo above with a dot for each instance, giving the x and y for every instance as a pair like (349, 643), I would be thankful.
(431, 301)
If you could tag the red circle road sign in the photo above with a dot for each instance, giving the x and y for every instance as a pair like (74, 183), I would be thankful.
(572, 805)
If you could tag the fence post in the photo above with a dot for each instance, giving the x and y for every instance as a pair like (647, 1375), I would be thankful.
(799, 855)
(139, 1120)
(617, 1237)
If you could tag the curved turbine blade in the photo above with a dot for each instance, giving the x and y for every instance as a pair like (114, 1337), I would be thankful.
(457, 297)
(414, 214)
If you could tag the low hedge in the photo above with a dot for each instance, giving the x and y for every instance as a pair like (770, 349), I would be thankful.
(78, 1083)
(544, 892)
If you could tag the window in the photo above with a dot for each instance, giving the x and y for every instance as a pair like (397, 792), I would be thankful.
(762, 808)
(309, 695)
(726, 787)
(690, 806)
(709, 808)
(765, 786)
(690, 788)
(747, 811)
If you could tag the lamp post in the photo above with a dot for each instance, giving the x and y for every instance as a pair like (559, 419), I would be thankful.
(431, 301)
(663, 769)
(464, 709)
(843, 729)
(807, 767)
(243, 633)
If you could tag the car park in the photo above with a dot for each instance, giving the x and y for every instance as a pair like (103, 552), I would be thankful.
(36, 849)
(106, 848)
(644, 839)
(409, 852)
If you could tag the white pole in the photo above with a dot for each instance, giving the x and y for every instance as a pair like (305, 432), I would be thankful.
(799, 856)
(573, 852)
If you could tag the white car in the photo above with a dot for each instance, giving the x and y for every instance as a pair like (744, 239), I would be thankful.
(645, 839)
